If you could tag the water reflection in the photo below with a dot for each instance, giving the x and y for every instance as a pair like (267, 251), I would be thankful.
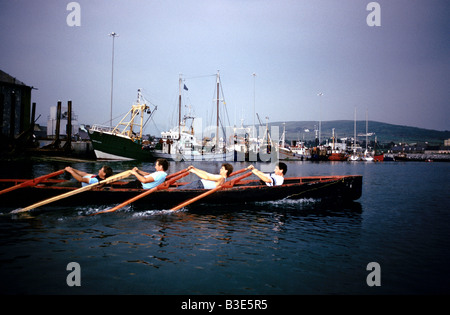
(223, 237)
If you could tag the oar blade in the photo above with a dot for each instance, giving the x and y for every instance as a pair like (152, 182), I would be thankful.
(31, 182)
(74, 192)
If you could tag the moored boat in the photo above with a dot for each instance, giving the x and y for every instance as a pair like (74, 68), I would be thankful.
(401, 157)
(338, 156)
(284, 151)
(367, 156)
(125, 141)
(347, 187)
(378, 157)
(181, 144)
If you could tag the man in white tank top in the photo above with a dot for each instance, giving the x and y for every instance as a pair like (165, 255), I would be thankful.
(273, 179)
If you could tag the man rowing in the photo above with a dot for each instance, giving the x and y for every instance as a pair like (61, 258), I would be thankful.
(88, 179)
(208, 180)
(272, 179)
(147, 180)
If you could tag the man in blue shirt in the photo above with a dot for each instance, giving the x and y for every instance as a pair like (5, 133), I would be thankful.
(151, 180)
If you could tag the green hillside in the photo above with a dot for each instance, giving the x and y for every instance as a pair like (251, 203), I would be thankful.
(384, 132)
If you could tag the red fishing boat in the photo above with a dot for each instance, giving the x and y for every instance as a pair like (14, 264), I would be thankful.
(338, 156)
(378, 158)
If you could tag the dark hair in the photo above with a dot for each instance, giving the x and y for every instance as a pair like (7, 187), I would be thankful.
(229, 168)
(108, 170)
(163, 163)
(282, 166)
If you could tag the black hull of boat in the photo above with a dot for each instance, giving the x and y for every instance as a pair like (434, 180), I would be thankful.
(333, 187)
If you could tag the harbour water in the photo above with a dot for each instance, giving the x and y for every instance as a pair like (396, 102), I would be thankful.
(298, 247)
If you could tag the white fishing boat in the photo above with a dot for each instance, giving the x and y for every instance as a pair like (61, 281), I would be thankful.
(285, 151)
(180, 143)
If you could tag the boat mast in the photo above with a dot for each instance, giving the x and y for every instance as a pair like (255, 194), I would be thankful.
(367, 130)
(142, 109)
(217, 122)
(354, 139)
(179, 107)
(334, 148)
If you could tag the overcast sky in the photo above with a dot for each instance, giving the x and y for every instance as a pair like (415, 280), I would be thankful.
(399, 72)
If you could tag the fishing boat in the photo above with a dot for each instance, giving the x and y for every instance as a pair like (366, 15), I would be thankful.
(181, 144)
(347, 187)
(124, 141)
(285, 151)
(378, 156)
(337, 154)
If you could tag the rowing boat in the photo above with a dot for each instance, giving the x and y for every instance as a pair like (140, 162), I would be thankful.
(347, 187)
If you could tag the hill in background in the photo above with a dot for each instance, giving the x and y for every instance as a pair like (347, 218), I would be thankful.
(385, 133)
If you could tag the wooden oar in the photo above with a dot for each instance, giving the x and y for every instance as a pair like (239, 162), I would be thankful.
(209, 192)
(170, 179)
(74, 192)
(32, 182)
(237, 172)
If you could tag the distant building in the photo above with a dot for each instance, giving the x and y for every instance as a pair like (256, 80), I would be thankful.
(413, 148)
(15, 106)
(447, 143)
(438, 150)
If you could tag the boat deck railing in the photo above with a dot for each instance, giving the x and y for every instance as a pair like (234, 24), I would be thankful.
(102, 128)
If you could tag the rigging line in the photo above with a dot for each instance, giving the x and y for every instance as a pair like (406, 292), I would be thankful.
(147, 101)
(118, 116)
(224, 103)
(156, 127)
(149, 116)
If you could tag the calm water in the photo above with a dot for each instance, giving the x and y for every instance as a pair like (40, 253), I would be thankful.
(401, 222)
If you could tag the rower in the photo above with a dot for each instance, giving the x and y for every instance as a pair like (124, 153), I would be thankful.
(272, 179)
(208, 180)
(89, 179)
(149, 180)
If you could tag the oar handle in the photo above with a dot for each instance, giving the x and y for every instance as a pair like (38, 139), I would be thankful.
(236, 180)
(238, 172)
(209, 192)
(167, 183)
(176, 174)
